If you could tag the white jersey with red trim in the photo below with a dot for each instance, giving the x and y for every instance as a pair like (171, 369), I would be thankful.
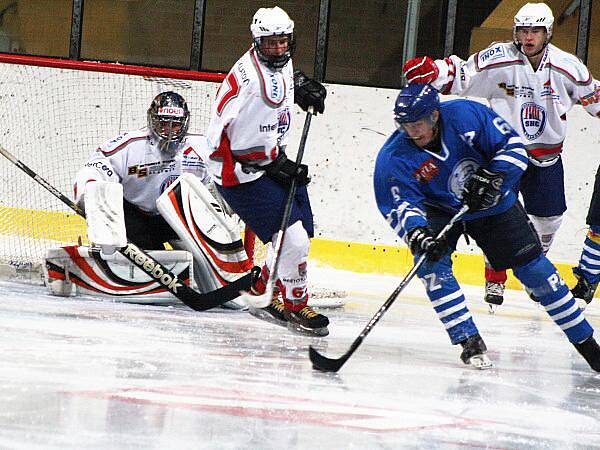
(535, 103)
(251, 120)
(135, 160)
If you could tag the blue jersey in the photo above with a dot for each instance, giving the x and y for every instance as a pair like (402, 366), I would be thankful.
(472, 136)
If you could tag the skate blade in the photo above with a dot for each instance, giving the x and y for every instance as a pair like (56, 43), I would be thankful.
(481, 362)
(299, 329)
(264, 315)
(492, 308)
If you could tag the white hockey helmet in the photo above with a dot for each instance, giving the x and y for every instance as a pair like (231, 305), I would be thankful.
(272, 22)
(534, 15)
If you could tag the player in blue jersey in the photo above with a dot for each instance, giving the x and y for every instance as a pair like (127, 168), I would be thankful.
(442, 156)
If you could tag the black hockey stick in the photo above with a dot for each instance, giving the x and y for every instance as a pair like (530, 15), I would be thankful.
(325, 364)
(263, 300)
(195, 300)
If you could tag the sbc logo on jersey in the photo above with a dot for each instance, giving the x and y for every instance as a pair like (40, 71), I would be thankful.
(533, 120)
(284, 118)
(168, 182)
(460, 173)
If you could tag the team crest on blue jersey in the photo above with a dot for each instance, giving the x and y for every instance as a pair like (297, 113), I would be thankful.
(461, 171)
(168, 182)
(533, 120)
(284, 119)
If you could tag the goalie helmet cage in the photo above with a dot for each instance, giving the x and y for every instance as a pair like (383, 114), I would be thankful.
(55, 113)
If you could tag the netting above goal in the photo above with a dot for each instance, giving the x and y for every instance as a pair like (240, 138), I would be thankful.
(54, 114)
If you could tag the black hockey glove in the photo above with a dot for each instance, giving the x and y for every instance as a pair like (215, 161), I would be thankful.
(282, 170)
(309, 92)
(482, 190)
(421, 240)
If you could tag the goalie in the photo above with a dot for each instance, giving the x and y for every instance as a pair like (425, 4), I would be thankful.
(151, 187)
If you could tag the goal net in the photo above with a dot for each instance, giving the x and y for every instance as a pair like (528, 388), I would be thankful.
(54, 114)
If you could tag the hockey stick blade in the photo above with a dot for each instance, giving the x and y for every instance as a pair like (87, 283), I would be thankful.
(324, 364)
(191, 298)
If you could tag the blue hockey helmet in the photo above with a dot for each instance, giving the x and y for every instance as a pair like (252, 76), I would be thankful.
(414, 102)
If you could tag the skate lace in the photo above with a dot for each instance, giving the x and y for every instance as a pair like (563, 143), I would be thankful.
(308, 312)
(494, 289)
(277, 305)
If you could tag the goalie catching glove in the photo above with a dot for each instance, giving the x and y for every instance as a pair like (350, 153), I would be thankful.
(421, 240)
(309, 92)
(483, 190)
(282, 170)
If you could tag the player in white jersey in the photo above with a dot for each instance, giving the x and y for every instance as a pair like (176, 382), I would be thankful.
(158, 174)
(532, 84)
(247, 137)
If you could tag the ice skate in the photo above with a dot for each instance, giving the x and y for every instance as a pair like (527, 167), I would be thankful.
(473, 353)
(590, 351)
(494, 295)
(584, 290)
(274, 313)
(307, 321)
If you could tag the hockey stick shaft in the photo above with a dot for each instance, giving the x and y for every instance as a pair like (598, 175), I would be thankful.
(325, 364)
(167, 279)
(263, 300)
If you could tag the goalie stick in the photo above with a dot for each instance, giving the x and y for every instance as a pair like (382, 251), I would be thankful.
(193, 299)
(325, 364)
(263, 300)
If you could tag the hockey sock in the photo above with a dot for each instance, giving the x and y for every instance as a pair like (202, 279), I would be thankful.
(542, 279)
(447, 300)
(589, 262)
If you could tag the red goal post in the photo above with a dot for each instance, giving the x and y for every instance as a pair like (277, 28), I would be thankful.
(55, 113)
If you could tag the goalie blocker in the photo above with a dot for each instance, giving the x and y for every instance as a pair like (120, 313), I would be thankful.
(204, 230)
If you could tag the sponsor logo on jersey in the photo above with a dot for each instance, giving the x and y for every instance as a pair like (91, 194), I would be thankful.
(100, 166)
(533, 120)
(492, 53)
(548, 91)
(426, 171)
(516, 91)
(284, 119)
(267, 128)
(152, 168)
(460, 173)
(191, 159)
(592, 98)
(275, 87)
(168, 182)
(242, 71)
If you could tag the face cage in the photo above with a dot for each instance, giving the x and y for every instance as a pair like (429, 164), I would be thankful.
(275, 62)
(168, 142)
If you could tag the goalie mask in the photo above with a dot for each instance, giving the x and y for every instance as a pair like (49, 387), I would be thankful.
(168, 120)
(273, 37)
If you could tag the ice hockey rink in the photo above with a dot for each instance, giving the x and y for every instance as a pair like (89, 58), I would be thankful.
(88, 373)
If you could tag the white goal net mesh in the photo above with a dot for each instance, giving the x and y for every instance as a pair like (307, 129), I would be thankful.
(52, 120)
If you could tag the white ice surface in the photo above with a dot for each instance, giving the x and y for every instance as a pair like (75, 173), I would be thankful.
(82, 373)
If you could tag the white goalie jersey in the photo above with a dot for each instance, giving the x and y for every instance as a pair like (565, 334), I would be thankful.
(250, 120)
(535, 103)
(135, 160)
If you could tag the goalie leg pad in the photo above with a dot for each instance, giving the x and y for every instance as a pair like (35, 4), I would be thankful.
(81, 270)
(205, 230)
